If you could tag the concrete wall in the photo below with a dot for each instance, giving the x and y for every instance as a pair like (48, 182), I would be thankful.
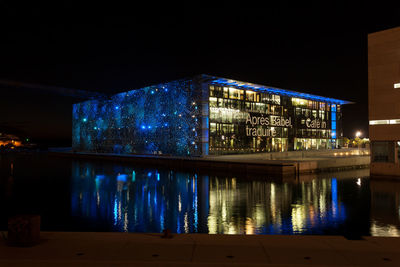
(383, 72)
(383, 98)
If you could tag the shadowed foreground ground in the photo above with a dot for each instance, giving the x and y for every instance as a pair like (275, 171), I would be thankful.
(123, 249)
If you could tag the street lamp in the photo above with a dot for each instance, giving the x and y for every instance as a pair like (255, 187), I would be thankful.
(358, 134)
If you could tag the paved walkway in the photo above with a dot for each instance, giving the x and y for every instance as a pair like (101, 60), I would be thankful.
(277, 163)
(122, 249)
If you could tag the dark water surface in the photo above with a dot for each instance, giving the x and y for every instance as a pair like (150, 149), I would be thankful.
(78, 195)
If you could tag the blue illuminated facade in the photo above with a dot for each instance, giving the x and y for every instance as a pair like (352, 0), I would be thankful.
(206, 115)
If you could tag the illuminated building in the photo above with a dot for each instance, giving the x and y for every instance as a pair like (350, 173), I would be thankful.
(383, 101)
(207, 115)
(9, 140)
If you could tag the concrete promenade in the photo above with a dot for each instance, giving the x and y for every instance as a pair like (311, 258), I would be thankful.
(277, 164)
(124, 249)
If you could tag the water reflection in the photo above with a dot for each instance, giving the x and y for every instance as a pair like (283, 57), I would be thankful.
(385, 208)
(134, 200)
(121, 198)
(260, 207)
(111, 197)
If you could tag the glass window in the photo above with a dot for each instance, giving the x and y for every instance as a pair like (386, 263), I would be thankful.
(322, 115)
(234, 93)
(285, 132)
(212, 92)
(213, 102)
(298, 102)
(333, 115)
(213, 128)
(250, 95)
(382, 151)
(226, 92)
(276, 99)
(398, 151)
(314, 114)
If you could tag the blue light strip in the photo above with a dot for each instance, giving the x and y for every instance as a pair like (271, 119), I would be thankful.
(267, 89)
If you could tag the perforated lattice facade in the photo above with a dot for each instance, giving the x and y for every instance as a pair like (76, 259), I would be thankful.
(160, 119)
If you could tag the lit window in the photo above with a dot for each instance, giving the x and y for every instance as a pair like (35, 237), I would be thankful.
(234, 93)
(396, 85)
(381, 122)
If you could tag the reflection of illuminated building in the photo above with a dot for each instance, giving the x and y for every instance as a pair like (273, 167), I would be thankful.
(137, 200)
(385, 208)
(266, 207)
(207, 115)
(120, 198)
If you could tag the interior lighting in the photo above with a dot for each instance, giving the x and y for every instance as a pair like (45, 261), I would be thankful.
(380, 122)
(396, 85)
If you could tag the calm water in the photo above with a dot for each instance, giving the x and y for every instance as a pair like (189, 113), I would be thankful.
(73, 195)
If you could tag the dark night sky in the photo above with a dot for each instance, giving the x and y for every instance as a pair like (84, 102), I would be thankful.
(111, 48)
